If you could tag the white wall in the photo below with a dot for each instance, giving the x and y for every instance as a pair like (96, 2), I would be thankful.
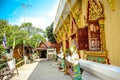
(98, 71)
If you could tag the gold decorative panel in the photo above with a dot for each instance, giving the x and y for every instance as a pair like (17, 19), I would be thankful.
(95, 10)
(76, 12)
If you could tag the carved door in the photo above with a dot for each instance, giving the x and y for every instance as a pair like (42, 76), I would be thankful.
(94, 36)
(83, 38)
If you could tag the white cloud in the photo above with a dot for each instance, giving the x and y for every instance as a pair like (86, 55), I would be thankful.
(52, 12)
(39, 21)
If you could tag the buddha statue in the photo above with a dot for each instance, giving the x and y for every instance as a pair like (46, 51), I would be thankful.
(75, 56)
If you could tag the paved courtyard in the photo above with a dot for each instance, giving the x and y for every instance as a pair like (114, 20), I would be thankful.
(41, 70)
(47, 70)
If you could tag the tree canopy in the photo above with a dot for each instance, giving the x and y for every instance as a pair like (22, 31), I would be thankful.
(32, 34)
(25, 34)
(50, 35)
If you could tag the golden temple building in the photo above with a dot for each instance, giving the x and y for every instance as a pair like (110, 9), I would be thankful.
(93, 26)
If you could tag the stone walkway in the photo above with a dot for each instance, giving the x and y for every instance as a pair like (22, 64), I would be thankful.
(41, 70)
(25, 71)
(47, 70)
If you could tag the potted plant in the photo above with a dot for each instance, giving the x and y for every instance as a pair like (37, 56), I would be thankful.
(67, 52)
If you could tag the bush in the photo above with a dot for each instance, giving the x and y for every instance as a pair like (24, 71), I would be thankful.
(67, 51)
(2, 49)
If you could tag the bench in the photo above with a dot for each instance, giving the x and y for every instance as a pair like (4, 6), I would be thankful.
(9, 70)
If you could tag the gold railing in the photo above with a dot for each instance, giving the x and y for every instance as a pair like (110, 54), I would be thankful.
(20, 63)
(96, 56)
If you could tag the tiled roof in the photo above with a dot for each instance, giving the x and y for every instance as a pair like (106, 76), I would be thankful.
(50, 45)
(46, 45)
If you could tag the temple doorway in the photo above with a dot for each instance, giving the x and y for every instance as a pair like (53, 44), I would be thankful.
(43, 54)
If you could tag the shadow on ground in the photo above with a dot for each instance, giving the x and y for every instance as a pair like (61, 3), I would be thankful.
(47, 70)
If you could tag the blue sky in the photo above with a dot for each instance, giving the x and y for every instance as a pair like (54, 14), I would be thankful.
(40, 12)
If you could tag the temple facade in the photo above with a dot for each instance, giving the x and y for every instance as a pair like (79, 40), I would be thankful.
(46, 50)
(91, 25)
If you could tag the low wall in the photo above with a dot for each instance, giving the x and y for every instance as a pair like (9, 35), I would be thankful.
(51, 57)
(98, 71)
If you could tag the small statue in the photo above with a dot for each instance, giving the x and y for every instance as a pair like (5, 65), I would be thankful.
(76, 65)
(62, 59)
(68, 57)
(75, 56)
